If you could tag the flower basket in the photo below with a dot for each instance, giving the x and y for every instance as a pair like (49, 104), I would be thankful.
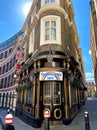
(18, 88)
(76, 84)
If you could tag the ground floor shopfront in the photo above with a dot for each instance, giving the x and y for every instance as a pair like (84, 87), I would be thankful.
(54, 86)
(8, 99)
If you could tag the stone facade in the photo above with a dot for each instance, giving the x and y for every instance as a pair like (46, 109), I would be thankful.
(93, 34)
(8, 62)
(51, 54)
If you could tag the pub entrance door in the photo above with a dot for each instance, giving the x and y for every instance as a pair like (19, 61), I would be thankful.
(52, 99)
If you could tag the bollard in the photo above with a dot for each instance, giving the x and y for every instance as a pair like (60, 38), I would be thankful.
(87, 125)
(46, 119)
(8, 121)
(9, 127)
(46, 124)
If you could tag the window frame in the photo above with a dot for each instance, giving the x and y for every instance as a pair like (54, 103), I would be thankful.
(58, 30)
(31, 41)
(49, 1)
(43, 2)
(29, 96)
(48, 30)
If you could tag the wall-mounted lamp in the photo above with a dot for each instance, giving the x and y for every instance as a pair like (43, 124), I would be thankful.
(50, 56)
(15, 75)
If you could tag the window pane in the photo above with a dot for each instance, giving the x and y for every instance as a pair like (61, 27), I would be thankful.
(47, 32)
(47, 24)
(73, 95)
(53, 23)
(50, 30)
(29, 96)
(46, 94)
(53, 34)
(47, 89)
(57, 93)
(47, 100)
(53, 1)
(46, 1)
(49, 1)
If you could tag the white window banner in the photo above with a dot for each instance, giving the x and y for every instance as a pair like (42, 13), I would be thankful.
(51, 75)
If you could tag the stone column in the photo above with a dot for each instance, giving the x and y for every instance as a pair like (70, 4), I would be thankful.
(4, 100)
(25, 95)
(67, 94)
(34, 94)
(69, 88)
(66, 98)
(37, 100)
(1, 100)
(14, 101)
(37, 94)
(70, 102)
(8, 101)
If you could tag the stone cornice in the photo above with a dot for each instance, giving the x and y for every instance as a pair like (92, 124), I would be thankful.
(53, 7)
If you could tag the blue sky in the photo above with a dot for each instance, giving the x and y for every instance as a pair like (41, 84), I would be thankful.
(82, 19)
(12, 18)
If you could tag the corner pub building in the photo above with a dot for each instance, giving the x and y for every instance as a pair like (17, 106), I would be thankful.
(52, 75)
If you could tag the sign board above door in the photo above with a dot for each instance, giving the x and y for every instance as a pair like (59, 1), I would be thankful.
(51, 75)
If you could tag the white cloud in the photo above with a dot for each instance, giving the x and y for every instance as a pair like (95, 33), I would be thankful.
(26, 8)
(89, 76)
(89, 52)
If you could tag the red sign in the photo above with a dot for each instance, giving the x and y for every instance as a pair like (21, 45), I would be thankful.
(46, 114)
(18, 66)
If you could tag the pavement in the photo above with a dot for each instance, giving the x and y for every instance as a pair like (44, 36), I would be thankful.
(77, 124)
